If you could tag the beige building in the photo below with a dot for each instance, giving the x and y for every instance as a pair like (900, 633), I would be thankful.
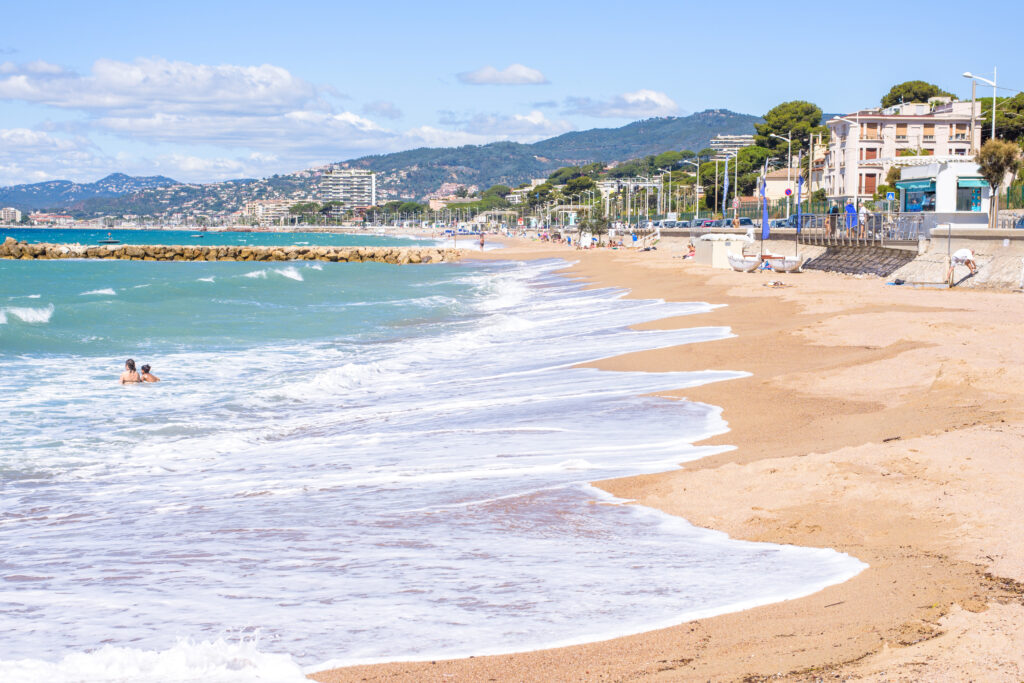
(356, 188)
(268, 211)
(864, 145)
(9, 214)
(777, 181)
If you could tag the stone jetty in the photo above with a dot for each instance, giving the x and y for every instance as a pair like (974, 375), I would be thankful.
(12, 249)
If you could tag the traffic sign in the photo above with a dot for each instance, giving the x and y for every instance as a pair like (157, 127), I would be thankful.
(788, 191)
(736, 203)
(520, 221)
(890, 196)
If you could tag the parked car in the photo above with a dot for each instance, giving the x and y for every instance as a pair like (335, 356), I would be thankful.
(746, 222)
(682, 224)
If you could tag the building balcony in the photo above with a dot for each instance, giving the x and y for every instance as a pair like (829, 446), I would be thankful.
(873, 137)
(870, 162)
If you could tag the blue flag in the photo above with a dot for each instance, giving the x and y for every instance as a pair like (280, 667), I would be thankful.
(799, 187)
(765, 231)
(725, 192)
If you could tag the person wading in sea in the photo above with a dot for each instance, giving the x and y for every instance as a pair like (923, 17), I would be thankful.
(130, 374)
(148, 376)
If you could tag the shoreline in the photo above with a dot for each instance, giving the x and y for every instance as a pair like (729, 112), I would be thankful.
(837, 434)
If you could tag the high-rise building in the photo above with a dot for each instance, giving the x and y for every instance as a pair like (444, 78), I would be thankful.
(9, 215)
(355, 187)
(727, 145)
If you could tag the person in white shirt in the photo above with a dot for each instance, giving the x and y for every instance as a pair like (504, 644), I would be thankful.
(962, 257)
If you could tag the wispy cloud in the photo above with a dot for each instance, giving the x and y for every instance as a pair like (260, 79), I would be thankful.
(514, 74)
(387, 110)
(527, 127)
(630, 105)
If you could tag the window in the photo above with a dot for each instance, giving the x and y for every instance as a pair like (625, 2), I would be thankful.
(968, 199)
(869, 131)
(929, 132)
(901, 131)
(869, 153)
(870, 184)
(959, 132)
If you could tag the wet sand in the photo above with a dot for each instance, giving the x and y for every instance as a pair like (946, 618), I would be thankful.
(881, 421)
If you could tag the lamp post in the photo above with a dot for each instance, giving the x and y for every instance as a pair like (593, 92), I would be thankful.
(968, 74)
(789, 165)
(696, 203)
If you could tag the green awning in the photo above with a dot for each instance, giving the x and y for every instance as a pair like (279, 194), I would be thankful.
(911, 185)
(971, 182)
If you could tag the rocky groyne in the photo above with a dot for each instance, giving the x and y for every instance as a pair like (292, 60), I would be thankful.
(12, 249)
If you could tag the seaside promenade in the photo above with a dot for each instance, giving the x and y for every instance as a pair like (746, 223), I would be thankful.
(884, 422)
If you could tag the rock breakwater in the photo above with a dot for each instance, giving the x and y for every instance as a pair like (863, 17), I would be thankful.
(12, 249)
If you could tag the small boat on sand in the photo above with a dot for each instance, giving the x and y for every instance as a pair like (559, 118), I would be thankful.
(785, 264)
(744, 264)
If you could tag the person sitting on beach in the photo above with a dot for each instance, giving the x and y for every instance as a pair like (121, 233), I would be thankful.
(130, 374)
(147, 376)
(962, 257)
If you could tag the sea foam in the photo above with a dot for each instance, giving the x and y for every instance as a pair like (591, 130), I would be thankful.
(218, 661)
(26, 314)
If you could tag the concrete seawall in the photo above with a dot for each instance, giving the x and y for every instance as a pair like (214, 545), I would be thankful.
(11, 249)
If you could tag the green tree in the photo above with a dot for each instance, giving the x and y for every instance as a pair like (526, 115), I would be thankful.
(796, 119)
(1009, 118)
(667, 159)
(497, 191)
(912, 91)
(565, 174)
(577, 185)
(995, 160)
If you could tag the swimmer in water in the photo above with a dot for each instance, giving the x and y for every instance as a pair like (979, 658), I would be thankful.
(130, 374)
(147, 376)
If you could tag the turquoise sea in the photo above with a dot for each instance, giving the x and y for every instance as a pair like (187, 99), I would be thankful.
(343, 463)
(211, 238)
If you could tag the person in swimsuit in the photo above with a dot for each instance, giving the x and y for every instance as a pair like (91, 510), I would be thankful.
(130, 374)
(147, 376)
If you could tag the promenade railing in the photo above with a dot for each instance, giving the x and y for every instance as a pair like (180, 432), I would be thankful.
(873, 229)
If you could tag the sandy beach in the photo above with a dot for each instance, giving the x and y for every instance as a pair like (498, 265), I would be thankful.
(884, 422)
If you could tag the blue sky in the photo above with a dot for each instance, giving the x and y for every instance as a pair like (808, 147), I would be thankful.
(214, 90)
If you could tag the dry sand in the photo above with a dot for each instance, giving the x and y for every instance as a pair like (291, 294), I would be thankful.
(881, 421)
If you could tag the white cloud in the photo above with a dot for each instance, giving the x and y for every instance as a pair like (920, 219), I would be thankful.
(156, 84)
(630, 105)
(381, 108)
(28, 155)
(519, 127)
(514, 74)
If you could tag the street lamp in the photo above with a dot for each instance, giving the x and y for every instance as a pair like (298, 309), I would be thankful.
(789, 165)
(696, 194)
(968, 74)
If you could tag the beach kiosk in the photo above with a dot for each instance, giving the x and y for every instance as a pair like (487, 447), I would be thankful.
(950, 191)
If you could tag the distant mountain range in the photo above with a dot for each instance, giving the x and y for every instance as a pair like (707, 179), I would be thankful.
(401, 175)
(64, 193)
(416, 172)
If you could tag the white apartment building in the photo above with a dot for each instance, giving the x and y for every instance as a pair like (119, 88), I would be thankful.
(727, 145)
(864, 145)
(266, 212)
(355, 187)
(9, 214)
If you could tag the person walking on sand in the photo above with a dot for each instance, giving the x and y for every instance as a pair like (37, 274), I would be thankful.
(481, 240)
(147, 376)
(130, 374)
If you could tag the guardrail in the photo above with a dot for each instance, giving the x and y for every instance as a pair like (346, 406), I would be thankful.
(874, 229)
